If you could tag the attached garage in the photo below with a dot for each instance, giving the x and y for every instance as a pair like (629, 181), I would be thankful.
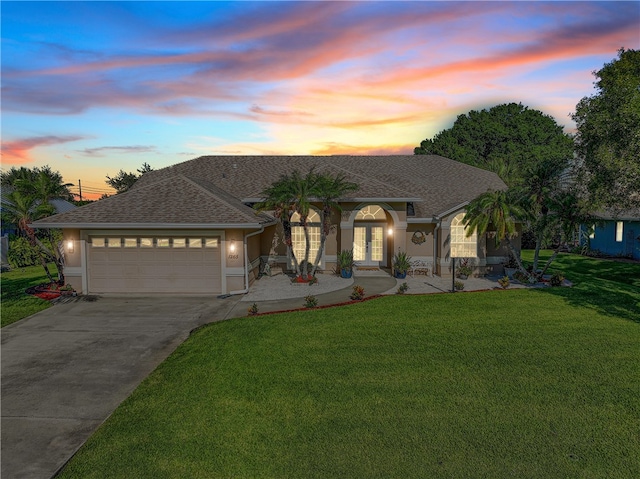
(154, 265)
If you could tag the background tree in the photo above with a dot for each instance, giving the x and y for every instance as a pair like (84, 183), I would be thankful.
(608, 137)
(123, 180)
(507, 139)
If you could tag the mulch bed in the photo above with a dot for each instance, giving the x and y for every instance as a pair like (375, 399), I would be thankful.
(49, 291)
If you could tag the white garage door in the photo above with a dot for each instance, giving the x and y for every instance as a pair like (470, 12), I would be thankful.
(154, 265)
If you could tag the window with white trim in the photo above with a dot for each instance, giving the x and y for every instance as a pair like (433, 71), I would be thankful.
(461, 245)
(619, 231)
(298, 239)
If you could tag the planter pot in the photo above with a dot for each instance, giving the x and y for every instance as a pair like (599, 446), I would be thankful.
(400, 275)
(510, 272)
(346, 273)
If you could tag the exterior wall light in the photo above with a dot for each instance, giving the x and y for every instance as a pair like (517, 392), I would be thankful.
(390, 231)
(232, 246)
(70, 247)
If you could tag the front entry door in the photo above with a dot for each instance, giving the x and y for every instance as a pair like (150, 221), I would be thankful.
(368, 245)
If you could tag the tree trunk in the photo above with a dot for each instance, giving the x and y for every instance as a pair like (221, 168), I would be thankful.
(324, 231)
(286, 227)
(304, 270)
(550, 260)
(516, 256)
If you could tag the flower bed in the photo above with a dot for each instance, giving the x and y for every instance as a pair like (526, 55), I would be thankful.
(50, 291)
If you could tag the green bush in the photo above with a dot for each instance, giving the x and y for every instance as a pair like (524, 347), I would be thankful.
(21, 254)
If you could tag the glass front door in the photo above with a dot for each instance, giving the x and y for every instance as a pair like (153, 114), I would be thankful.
(368, 245)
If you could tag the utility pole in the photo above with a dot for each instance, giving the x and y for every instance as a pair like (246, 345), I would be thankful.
(80, 188)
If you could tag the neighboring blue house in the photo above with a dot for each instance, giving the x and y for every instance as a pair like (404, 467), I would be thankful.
(615, 235)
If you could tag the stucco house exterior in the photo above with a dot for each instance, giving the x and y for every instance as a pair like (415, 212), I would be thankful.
(191, 228)
(615, 234)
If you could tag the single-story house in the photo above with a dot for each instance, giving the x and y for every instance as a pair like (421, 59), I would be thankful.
(191, 228)
(614, 234)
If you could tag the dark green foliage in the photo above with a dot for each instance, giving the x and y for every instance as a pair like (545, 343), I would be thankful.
(21, 253)
(510, 140)
(608, 137)
(123, 180)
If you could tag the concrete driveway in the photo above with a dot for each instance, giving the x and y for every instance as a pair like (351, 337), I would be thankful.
(66, 369)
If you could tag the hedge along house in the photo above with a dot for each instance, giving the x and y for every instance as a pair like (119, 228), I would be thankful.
(190, 228)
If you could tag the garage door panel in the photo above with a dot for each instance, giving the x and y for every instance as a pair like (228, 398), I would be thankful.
(154, 270)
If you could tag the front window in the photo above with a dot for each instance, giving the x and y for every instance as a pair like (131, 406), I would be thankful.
(461, 245)
(298, 239)
(619, 230)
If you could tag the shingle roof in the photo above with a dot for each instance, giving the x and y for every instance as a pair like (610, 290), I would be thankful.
(175, 201)
(210, 189)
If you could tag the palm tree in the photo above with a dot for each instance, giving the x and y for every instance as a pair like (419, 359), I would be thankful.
(21, 210)
(279, 201)
(495, 209)
(303, 187)
(328, 190)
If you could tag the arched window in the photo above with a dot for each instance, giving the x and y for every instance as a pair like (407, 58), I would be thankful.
(461, 245)
(297, 235)
(371, 213)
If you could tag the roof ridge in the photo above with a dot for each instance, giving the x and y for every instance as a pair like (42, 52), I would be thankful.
(219, 194)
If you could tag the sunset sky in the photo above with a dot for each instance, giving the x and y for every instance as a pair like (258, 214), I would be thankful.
(92, 87)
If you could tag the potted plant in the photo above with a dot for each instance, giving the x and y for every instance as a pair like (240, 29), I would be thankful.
(401, 264)
(464, 270)
(345, 263)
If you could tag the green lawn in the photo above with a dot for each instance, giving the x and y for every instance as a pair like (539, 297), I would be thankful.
(517, 383)
(16, 304)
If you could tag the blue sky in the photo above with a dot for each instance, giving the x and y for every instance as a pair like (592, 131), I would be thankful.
(93, 87)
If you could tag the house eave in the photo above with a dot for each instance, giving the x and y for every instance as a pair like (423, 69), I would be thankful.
(352, 200)
(421, 220)
(157, 226)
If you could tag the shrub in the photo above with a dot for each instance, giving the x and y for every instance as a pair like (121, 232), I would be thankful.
(458, 285)
(310, 301)
(313, 280)
(556, 280)
(504, 282)
(253, 309)
(357, 293)
(403, 288)
(21, 253)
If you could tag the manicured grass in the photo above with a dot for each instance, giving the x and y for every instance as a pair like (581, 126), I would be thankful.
(16, 304)
(519, 383)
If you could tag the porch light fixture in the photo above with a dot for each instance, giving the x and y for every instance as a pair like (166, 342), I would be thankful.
(232, 246)
(390, 231)
(70, 246)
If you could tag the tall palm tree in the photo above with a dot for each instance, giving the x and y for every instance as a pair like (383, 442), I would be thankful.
(303, 188)
(496, 210)
(278, 199)
(328, 190)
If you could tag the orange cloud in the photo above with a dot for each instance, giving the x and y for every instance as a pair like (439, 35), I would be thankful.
(19, 151)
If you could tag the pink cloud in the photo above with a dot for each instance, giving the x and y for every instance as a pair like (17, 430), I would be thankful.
(19, 151)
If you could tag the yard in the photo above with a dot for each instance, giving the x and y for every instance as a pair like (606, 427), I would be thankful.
(15, 303)
(522, 383)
